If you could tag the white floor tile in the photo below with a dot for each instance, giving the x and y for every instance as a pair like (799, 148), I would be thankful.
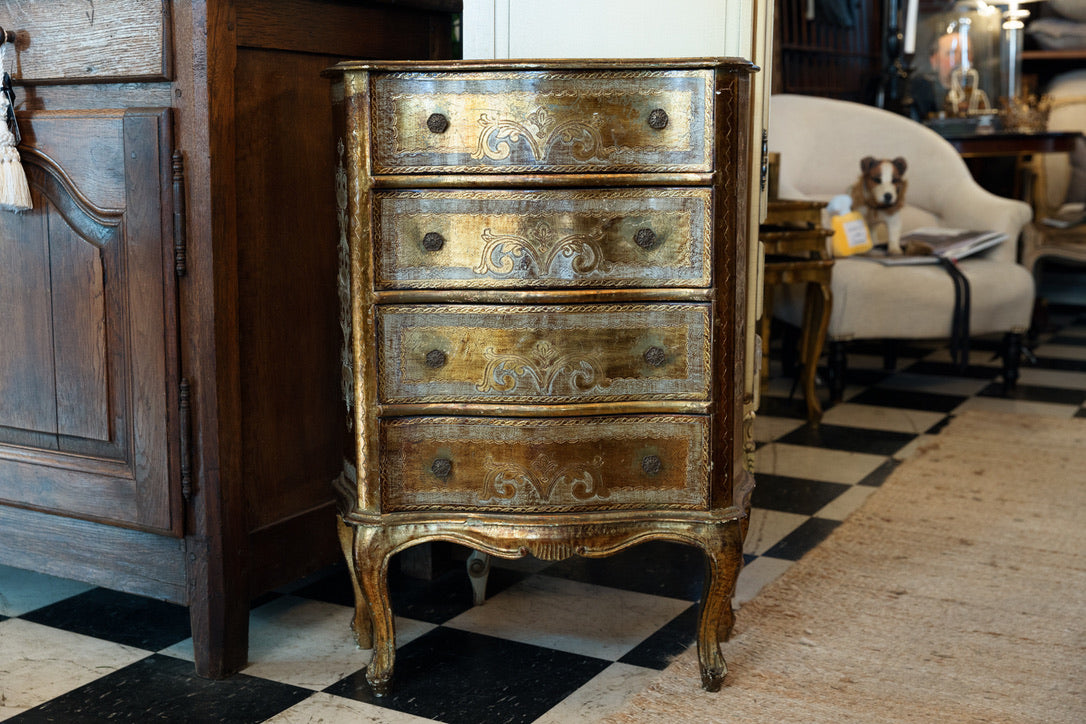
(601, 696)
(328, 709)
(844, 504)
(1017, 407)
(813, 463)
(767, 429)
(22, 591)
(39, 663)
(1061, 351)
(891, 419)
(305, 643)
(571, 616)
(309, 643)
(915, 445)
(767, 528)
(756, 575)
(1052, 378)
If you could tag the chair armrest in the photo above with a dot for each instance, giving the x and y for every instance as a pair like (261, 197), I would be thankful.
(972, 207)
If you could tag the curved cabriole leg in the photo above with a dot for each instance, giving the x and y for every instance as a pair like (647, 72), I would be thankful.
(723, 558)
(360, 624)
(371, 559)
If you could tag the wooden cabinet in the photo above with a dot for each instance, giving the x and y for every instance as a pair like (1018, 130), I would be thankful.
(169, 339)
(544, 306)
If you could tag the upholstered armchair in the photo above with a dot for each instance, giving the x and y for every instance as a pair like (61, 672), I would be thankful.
(1059, 178)
(821, 142)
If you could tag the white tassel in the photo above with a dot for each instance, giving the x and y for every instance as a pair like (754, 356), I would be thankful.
(14, 191)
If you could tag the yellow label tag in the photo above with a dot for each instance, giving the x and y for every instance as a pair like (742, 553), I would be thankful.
(850, 234)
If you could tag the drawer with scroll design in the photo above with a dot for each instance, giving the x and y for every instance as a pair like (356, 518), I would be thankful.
(555, 464)
(543, 353)
(543, 120)
(566, 238)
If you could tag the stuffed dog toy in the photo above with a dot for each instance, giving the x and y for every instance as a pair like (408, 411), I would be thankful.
(879, 195)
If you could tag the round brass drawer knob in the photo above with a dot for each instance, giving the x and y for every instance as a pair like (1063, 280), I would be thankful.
(655, 356)
(441, 467)
(646, 239)
(435, 358)
(437, 123)
(658, 119)
(651, 465)
(433, 241)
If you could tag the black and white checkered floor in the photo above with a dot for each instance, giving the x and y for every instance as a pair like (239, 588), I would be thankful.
(563, 642)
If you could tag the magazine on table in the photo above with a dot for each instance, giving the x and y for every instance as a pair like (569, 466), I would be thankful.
(934, 242)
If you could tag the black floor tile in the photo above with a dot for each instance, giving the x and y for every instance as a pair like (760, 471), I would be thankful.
(904, 351)
(949, 369)
(437, 600)
(851, 439)
(118, 617)
(164, 689)
(879, 475)
(1036, 393)
(938, 427)
(1067, 339)
(658, 568)
(793, 495)
(908, 399)
(660, 649)
(797, 543)
(863, 377)
(794, 408)
(1058, 363)
(460, 677)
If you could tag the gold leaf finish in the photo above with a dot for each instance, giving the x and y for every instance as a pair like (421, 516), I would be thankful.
(538, 249)
(546, 277)
(568, 122)
(557, 464)
(575, 238)
(544, 353)
(498, 137)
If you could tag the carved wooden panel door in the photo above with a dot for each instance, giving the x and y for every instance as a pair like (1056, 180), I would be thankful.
(88, 381)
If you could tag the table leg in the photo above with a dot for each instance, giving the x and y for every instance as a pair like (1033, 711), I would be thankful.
(816, 313)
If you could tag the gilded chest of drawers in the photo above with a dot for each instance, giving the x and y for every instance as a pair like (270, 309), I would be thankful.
(544, 302)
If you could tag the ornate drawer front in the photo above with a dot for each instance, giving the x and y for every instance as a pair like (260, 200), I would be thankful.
(555, 464)
(537, 353)
(550, 121)
(567, 238)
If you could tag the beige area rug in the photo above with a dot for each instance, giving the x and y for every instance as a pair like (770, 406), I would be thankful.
(957, 593)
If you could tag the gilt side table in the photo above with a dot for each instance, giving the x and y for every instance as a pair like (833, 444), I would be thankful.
(795, 248)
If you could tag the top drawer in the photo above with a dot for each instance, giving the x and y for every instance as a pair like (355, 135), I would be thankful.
(560, 121)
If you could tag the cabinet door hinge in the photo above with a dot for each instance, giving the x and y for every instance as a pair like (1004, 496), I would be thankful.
(185, 409)
(180, 248)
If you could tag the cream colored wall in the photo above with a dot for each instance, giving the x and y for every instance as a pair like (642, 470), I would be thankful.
(607, 28)
(642, 29)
